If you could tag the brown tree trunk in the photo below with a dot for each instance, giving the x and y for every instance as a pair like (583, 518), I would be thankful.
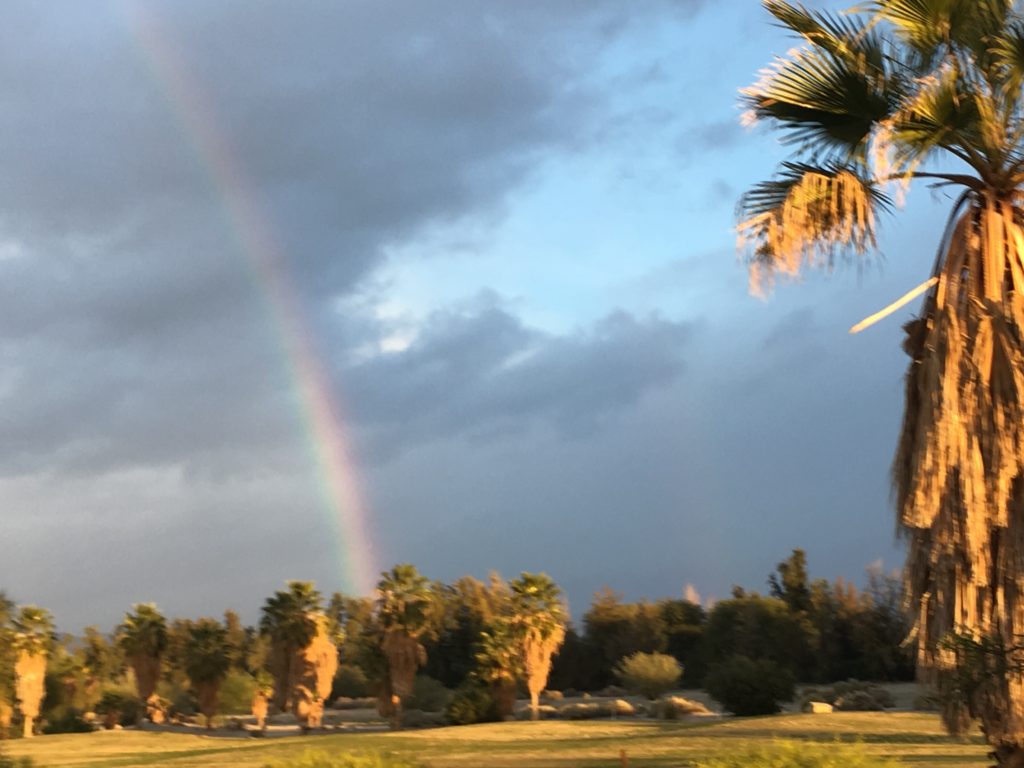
(1009, 755)
(534, 704)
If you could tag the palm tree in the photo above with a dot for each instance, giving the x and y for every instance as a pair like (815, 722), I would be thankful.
(289, 620)
(899, 91)
(32, 642)
(405, 612)
(538, 624)
(499, 663)
(206, 659)
(143, 638)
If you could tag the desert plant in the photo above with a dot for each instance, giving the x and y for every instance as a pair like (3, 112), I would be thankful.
(749, 687)
(649, 674)
(538, 625)
(143, 638)
(867, 100)
(312, 672)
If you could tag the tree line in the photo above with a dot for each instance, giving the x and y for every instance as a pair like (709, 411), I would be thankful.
(488, 642)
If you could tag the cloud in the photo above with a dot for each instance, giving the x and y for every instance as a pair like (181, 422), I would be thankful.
(480, 369)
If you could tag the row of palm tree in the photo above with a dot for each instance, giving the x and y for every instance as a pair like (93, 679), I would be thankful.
(293, 660)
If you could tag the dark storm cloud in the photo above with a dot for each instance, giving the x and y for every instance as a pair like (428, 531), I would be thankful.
(133, 329)
(483, 370)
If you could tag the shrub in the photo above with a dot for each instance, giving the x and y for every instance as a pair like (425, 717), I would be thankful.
(127, 708)
(428, 695)
(236, 693)
(471, 703)
(852, 696)
(311, 759)
(69, 722)
(350, 682)
(750, 687)
(649, 674)
(551, 696)
(788, 754)
(344, 702)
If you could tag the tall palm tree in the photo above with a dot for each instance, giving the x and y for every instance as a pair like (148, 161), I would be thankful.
(143, 638)
(499, 663)
(405, 611)
(899, 91)
(289, 620)
(207, 655)
(33, 641)
(538, 624)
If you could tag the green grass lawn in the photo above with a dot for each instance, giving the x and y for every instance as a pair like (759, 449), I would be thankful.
(917, 739)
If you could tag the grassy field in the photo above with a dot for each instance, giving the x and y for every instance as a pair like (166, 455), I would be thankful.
(914, 738)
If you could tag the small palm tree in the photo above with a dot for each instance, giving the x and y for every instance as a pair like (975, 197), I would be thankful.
(405, 611)
(32, 643)
(538, 624)
(206, 659)
(499, 662)
(143, 638)
(925, 89)
(289, 620)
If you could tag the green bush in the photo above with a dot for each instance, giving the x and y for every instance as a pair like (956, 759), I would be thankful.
(351, 682)
(428, 695)
(789, 754)
(471, 703)
(750, 687)
(69, 722)
(237, 692)
(649, 674)
(128, 707)
(852, 696)
(311, 759)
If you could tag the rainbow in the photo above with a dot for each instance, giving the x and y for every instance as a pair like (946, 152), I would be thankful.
(320, 410)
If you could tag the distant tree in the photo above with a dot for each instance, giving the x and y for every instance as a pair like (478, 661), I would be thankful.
(684, 622)
(289, 622)
(7, 657)
(789, 583)
(538, 623)
(143, 638)
(207, 659)
(405, 610)
(618, 629)
(33, 641)
(759, 628)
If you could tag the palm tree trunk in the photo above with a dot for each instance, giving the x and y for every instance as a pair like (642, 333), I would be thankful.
(534, 705)
(26, 730)
(1009, 756)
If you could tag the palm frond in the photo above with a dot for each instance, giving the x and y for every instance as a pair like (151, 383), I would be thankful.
(825, 104)
(1008, 53)
(807, 216)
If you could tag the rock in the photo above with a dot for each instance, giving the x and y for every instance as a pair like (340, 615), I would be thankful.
(818, 708)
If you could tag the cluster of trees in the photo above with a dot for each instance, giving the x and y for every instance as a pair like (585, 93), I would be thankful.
(155, 668)
(817, 631)
(489, 641)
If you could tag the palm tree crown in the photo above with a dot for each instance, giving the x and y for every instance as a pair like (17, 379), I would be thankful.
(874, 99)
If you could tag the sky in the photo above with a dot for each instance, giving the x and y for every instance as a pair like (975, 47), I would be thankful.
(303, 290)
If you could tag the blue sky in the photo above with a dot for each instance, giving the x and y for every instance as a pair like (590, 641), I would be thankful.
(513, 233)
